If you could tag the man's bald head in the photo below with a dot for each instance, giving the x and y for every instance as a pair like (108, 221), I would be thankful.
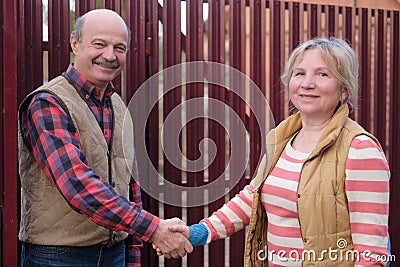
(96, 14)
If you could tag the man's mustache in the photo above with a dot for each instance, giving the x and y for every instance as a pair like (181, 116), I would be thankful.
(107, 64)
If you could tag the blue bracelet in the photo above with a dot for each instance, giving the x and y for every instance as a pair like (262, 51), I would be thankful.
(198, 234)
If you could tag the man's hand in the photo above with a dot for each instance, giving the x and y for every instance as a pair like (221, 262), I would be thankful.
(172, 244)
(180, 228)
(177, 228)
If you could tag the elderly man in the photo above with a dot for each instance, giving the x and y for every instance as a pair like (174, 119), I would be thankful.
(80, 204)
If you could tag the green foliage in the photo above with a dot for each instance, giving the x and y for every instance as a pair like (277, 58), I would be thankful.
(71, 19)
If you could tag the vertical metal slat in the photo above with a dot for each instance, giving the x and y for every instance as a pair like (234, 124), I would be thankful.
(59, 48)
(152, 140)
(83, 6)
(1, 118)
(277, 94)
(30, 70)
(314, 20)
(134, 76)
(171, 56)
(394, 132)
(296, 24)
(349, 18)
(257, 74)
(332, 20)
(216, 53)
(237, 50)
(9, 133)
(195, 128)
(114, 5)
(136, 57)
(364, 95)
(380, 77)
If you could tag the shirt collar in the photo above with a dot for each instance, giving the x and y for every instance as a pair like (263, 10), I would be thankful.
(83, 85)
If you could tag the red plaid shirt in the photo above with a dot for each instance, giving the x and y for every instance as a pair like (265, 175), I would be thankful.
(55, 144)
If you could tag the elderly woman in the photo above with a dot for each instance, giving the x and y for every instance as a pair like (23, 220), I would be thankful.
(320, 196)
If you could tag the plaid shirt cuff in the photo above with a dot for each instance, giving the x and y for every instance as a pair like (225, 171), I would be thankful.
(145, 225)
(133, 256)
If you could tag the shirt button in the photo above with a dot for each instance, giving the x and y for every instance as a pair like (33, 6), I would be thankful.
(298, 195)
(87, 96)
(305, 240)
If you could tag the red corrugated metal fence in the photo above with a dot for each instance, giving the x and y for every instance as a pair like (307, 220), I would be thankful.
(252, 36)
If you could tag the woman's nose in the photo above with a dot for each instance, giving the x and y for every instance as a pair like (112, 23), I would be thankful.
(308, 82)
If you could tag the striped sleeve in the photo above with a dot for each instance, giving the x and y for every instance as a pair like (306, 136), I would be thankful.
(367, 190)
(231, 217)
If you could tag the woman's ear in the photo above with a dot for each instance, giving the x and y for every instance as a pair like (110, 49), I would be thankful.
(344, 94)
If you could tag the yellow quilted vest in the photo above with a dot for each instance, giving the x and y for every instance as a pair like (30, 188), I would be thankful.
(321, 200)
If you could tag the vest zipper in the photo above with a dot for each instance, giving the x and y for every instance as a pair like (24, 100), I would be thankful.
(298, 195)
(112, 235)
(110, 179)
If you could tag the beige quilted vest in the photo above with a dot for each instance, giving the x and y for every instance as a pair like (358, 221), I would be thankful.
(46, 217)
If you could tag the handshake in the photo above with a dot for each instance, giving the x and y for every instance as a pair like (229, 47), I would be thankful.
(171, 239)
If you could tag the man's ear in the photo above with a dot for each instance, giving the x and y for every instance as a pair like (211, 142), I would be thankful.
(74, 44)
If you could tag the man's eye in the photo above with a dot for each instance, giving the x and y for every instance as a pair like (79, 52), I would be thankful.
(99, 44)
(121, 49)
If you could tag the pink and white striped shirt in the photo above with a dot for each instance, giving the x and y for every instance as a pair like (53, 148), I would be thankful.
(367, 190)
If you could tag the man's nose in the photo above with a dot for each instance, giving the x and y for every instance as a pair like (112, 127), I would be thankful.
(109, 53)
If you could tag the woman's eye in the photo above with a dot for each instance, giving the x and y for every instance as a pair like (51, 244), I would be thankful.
(322, 74)
(298, 73)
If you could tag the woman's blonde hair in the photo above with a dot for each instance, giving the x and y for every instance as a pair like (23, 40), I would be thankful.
(340, 58)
